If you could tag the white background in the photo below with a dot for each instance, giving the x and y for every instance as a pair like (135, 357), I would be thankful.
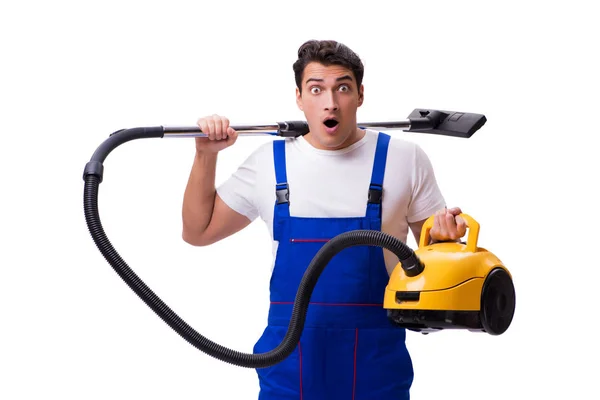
(73, 72)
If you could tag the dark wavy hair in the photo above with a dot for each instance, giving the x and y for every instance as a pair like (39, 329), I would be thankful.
(327, 52)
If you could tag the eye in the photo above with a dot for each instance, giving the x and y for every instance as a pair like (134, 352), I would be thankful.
(344, 88)
(314, 90)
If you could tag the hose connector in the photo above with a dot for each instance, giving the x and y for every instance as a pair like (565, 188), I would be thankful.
(412, 266)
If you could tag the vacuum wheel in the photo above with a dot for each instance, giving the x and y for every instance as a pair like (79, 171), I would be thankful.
(497, 302)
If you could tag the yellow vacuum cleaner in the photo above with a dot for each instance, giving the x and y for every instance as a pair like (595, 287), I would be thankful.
(438, 286)
(459, 286)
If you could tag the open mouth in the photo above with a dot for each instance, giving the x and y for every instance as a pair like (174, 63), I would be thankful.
(330, 122)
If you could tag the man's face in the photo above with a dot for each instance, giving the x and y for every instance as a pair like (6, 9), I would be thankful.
(329, 99)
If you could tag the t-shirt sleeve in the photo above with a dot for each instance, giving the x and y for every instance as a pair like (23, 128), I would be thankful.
(427, 197)
(238, 191)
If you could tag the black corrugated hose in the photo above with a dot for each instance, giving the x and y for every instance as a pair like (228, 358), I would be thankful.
(93, 177)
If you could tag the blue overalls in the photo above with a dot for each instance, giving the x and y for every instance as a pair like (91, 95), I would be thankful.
(348, 350)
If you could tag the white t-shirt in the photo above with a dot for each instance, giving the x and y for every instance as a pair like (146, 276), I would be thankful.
(335, 183)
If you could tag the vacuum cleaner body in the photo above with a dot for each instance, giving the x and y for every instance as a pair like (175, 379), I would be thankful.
(462, 286)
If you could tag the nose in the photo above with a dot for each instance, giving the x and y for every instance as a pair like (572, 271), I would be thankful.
(331, 103)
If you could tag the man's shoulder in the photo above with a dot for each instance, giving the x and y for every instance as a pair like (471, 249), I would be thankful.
(398, 143)
(262, 157)
(262, 151)
(268, 146)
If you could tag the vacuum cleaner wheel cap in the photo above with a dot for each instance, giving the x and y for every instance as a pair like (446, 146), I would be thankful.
(497, 302)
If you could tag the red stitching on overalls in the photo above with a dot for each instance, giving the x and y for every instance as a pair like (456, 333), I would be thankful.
(309, 240)
(333, 304)
(355, 349)
(300, 357)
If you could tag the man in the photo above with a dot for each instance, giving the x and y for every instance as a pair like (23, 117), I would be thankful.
(336, 178)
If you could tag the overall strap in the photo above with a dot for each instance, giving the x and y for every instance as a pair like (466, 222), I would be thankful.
(376, 186)
(282, 191)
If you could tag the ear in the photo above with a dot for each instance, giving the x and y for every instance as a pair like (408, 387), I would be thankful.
(299, 99)
(361, 95)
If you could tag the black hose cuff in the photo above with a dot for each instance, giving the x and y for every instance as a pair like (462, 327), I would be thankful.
(94, 168)
(412, 266)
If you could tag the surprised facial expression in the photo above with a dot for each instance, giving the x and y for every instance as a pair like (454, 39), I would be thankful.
(329, 99)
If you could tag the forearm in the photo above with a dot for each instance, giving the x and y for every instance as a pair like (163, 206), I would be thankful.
(199, 197)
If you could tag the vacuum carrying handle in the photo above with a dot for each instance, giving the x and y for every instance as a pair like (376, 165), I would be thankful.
(472, 236)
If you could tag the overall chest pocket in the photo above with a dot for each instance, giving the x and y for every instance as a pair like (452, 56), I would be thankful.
(345, 278)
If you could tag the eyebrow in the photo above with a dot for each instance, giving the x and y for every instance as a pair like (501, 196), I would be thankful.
(341, 78)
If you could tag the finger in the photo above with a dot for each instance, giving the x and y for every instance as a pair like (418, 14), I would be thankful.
(455, 210)
(221, 124)
(204, 128)
(202, 124)
(450, 225)
(218, 127)
(437, 229)
(210, 128)
(231, 135)
(225, 127)
(461, 226)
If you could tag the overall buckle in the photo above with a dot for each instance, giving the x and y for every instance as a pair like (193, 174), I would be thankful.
(375, 193)
(282, 193)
